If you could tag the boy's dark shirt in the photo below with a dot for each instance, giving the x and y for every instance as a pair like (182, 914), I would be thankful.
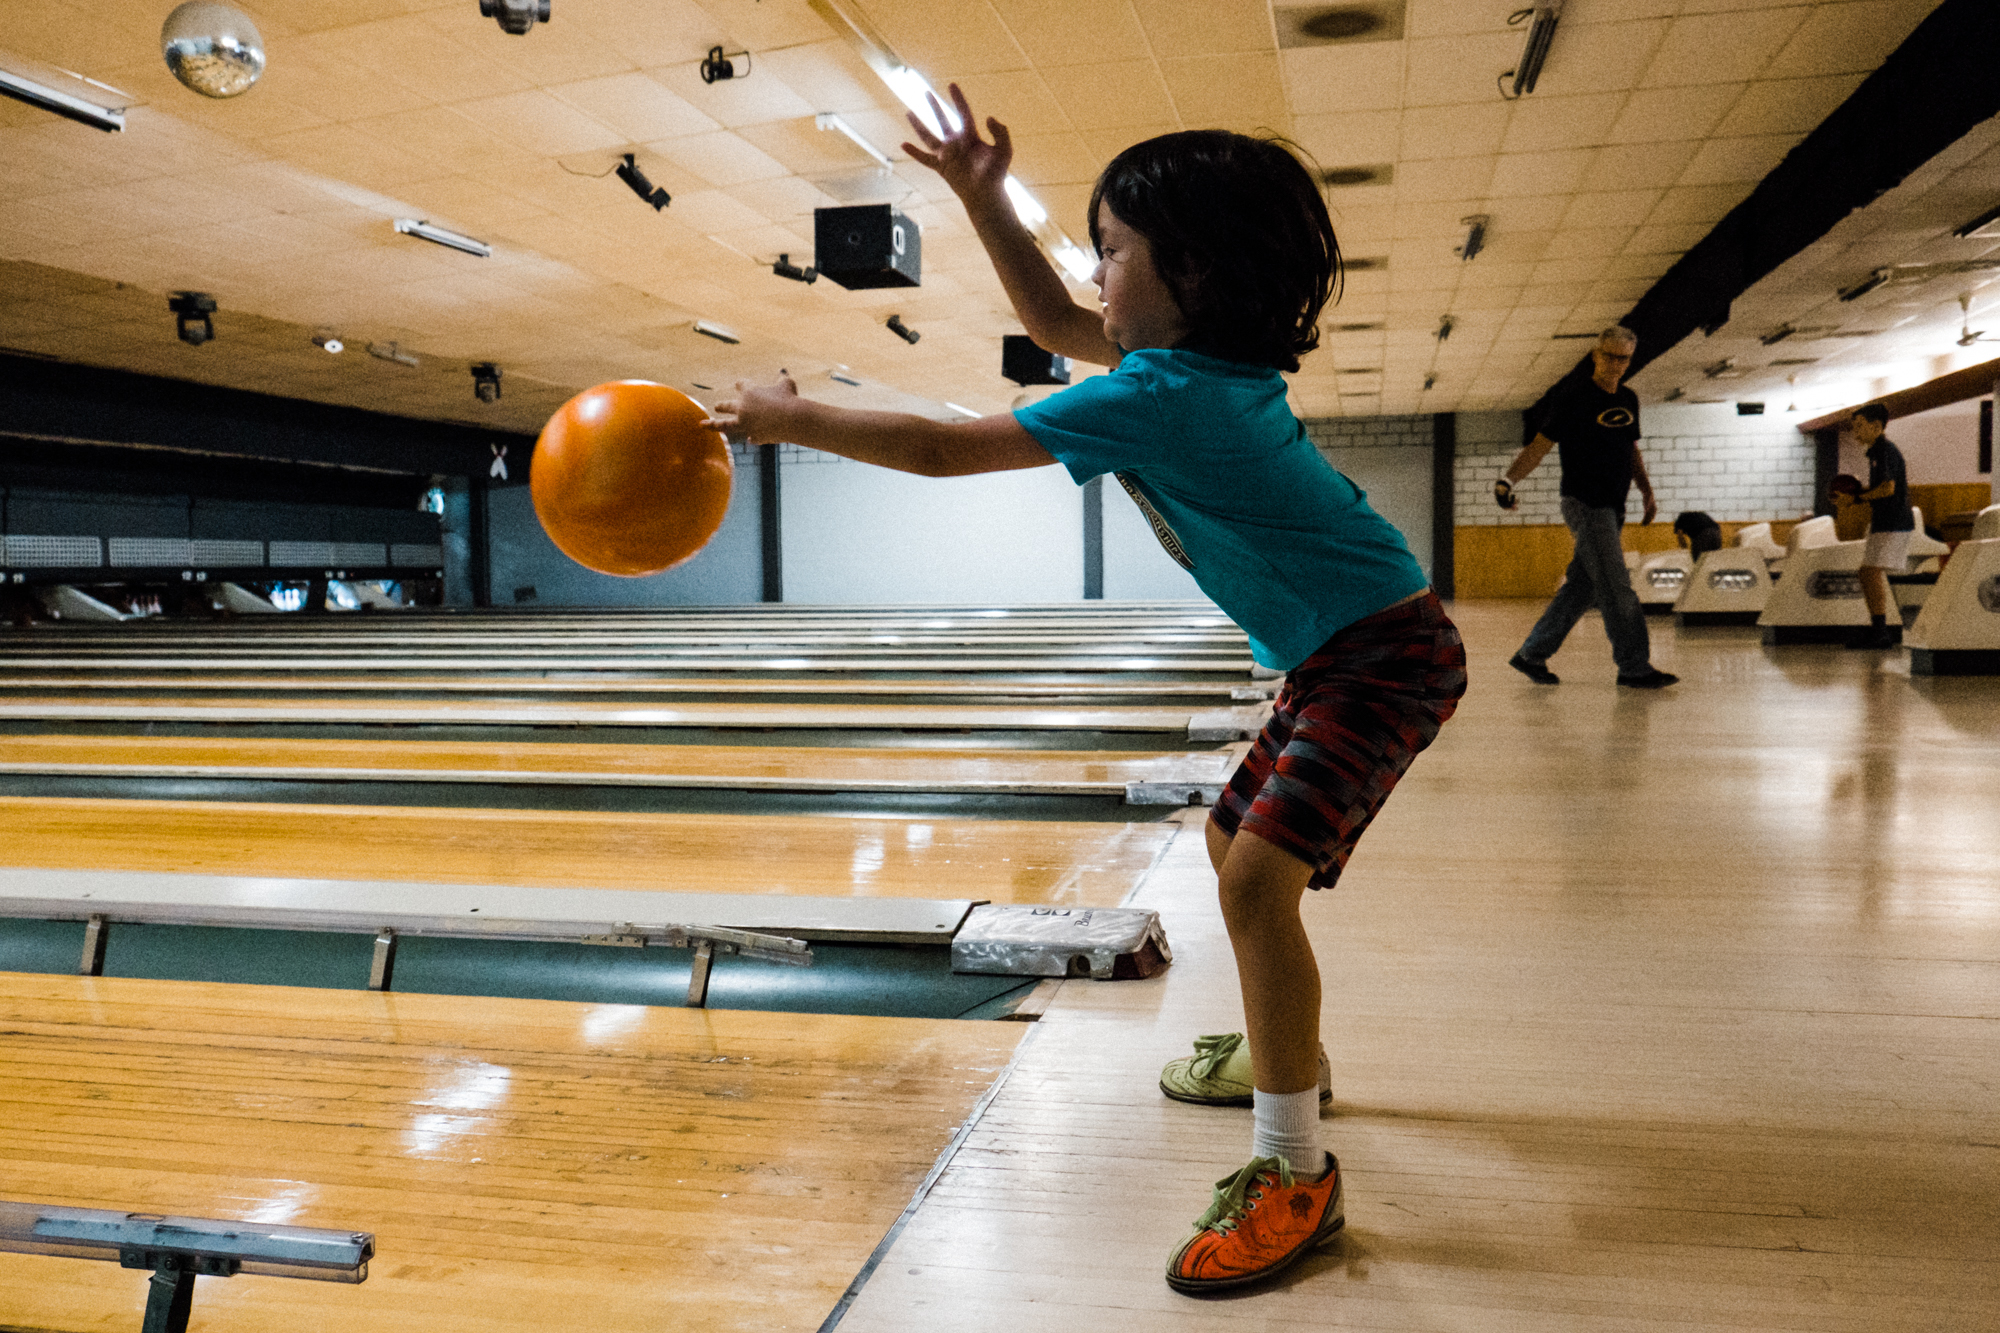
(1595, 432)
(1892, 511)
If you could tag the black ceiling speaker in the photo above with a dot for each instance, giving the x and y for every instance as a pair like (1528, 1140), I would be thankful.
(870, 245)
(1025, 363)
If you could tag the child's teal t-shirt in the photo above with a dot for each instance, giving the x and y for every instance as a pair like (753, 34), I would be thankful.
(1236, 493)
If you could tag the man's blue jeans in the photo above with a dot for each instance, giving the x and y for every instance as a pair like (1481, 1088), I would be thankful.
(1597, 578)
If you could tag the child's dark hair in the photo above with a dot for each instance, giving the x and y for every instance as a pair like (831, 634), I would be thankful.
(1239, 234)
(1874, 412)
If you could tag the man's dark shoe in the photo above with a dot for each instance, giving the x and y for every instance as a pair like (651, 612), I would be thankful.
(1875, 639)
(1541, 675)
(1654, 679)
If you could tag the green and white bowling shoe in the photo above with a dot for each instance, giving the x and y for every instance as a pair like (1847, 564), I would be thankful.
(1218, 1073)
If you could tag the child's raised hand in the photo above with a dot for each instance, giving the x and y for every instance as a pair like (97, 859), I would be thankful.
(757, 414)
(975, 170)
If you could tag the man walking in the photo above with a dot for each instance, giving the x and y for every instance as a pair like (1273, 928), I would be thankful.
(1888, 549)
(1595, 423)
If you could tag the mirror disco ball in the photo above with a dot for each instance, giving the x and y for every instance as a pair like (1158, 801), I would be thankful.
(213, 49)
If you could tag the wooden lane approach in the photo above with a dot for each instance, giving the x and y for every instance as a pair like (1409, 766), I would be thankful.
(1228, 724)
(524, 1165)
(1139, 778)
(1060, 862)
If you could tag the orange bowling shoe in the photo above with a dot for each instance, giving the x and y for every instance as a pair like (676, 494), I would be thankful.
(1263, 1220)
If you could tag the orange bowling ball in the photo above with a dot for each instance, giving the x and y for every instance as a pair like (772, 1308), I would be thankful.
(626, 480)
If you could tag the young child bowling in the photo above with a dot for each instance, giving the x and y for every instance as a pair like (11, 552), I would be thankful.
(1216, 256)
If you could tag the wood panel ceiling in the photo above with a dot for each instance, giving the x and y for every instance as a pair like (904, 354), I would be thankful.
(1652, 119)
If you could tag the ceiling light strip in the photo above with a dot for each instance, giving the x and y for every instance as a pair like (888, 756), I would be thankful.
(440, 236)
(28, 90)
(914, 91)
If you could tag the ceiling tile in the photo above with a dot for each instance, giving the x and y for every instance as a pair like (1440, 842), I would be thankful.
(1663, 115)
(1178, 29)
(1073, 32)
(1334, 80)
(1727, 161)
(733, 103)
(1101, 97)
(539, 123)
(1598, 57)
(1787, 106)
(1539, 124)
(1685, 204)
(1611, 208)
(1540, 174)
(971, 40)
(1453, 131)
(1018, 99)
(1846, 38)
(1459, 69)
(638, 107)
(1242, 92)
(721, 158)
(1723, 48)
(1639, 166)
(1587, 242)
(1444, 178)
(1054, 159)
(1656, 240)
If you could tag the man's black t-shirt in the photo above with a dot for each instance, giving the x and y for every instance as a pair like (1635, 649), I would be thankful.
(1892, 512)
(1595, 431)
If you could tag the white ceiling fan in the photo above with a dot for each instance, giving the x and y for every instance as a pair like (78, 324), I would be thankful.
(1967, 335)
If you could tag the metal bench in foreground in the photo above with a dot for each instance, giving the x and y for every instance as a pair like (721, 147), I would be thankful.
(177, 1250)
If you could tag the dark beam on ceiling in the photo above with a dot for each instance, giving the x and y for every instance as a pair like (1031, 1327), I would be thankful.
(1929, 93)
(1971, 382)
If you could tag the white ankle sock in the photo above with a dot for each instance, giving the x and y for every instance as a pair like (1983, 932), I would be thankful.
(1286, 1124)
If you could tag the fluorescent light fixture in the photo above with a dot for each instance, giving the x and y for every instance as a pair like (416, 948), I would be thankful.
(1475, 236)
(439, 236)
(842, 375)
(391, 352)
(1026, 206)
(1865, 286)
(49, 98)
(717, 332)
(965, 411)
(1777, 335)
(1541, 31)
(914, 91)
(828, 120)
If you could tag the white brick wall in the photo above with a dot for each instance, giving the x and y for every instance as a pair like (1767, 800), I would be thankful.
(1735, 469)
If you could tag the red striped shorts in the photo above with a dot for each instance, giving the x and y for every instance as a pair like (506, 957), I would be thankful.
(1345, 727)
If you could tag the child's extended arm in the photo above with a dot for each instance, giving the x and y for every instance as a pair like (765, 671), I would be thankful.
(977, 173)
(775, 413)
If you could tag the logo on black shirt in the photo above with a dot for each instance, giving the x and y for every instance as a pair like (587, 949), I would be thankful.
(1615, 418)
(1169, 540)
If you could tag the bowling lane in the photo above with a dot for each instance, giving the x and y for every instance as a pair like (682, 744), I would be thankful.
(517, 1160)
(1069, 863)
(766, 768)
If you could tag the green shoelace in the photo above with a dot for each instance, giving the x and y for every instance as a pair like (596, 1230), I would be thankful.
(1233, 1194)
(1210, 1052)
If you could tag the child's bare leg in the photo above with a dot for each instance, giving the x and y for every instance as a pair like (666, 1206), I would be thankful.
(1260, 888)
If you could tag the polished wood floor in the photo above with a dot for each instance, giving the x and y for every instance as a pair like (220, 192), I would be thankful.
(523, 1164)
(1648, 1013)
(1003, 861)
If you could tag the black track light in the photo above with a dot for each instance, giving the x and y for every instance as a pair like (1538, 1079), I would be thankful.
(515, 16)
(486, 382)
(719, 65)
(628, 171)
(191, 317)
(785, 268)
(902, 330)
